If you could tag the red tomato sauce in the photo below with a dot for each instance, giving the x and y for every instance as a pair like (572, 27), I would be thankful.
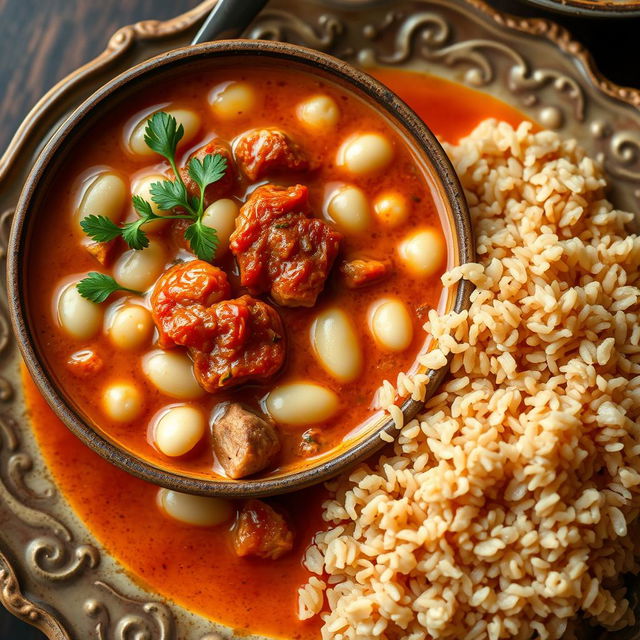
(59, 258)
(196, 567)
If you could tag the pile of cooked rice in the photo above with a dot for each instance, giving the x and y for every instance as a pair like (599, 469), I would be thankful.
(509, 506)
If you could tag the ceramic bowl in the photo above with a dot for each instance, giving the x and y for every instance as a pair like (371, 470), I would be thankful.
(411, 128)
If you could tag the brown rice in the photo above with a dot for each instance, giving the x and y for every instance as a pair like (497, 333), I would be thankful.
(509, 506)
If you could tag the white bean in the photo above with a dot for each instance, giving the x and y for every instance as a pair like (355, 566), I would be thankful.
(198, 511)
(391, 209)
(365, 153)
(142, 188)
(318, 112)
(391, 325)
(122, 402)
(232, 99)
(336, 345)
(172, 373)
(105, 196)
(130, 326)
(301, 403)
(348, 207)
(179, 430)
(189, 119)
(423, 252)
(139, 269)
(79, 317)
(221, 215)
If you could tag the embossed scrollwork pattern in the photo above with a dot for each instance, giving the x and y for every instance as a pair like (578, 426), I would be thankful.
(282, 25)
(150, 620)
(50, 559)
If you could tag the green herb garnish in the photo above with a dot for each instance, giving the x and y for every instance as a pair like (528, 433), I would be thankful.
(97, 287)
(162, 135)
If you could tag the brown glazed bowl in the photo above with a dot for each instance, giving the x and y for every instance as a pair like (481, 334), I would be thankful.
(415, 133)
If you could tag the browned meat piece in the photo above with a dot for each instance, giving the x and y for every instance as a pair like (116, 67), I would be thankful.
(362, 272)
(248, 343)
(180, 302)
(85, 363)
(103, 252)
(243, 442)
(261, 531)
(260, 151)
(230, 341)
(280, 249)
(218, 189)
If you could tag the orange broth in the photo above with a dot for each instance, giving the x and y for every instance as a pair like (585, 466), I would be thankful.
(196, 567)
(58, 258)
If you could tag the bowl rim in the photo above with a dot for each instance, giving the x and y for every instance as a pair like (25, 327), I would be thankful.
(384, 99)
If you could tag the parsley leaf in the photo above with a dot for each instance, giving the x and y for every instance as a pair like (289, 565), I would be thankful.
(169, 194)
(97, 287)
(100, 228)
(208, 170)
(162, 134)
(202, 239)
(134, 236)
(142, 206)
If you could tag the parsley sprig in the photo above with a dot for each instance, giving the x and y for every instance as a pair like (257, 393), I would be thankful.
(97, 287)
(162, 135)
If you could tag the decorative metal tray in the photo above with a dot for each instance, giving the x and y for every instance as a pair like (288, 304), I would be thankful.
(53, 572)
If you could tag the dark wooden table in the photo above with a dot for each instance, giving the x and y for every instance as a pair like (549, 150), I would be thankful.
(43, 40)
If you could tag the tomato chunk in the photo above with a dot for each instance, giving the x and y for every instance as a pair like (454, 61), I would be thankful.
(261, 151)
(218, 189)
(85, 363)
(362, 272)
(180, 300)
(248, 343)
(280, 249)
(261, 531)
(103, 252)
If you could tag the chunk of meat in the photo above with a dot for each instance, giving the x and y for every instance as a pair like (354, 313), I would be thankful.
(218, 189)
(103, 252)
(85, 363)
(261, 151)
(261, 531)
(362, 272)
(230, 341)
(280, 249)
(248, 343)
(180, 302)
(243, 442)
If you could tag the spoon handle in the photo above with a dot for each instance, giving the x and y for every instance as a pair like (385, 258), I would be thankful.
(228, 19)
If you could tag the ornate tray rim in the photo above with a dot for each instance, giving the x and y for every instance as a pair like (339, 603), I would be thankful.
(11, 595)
(590, 8)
